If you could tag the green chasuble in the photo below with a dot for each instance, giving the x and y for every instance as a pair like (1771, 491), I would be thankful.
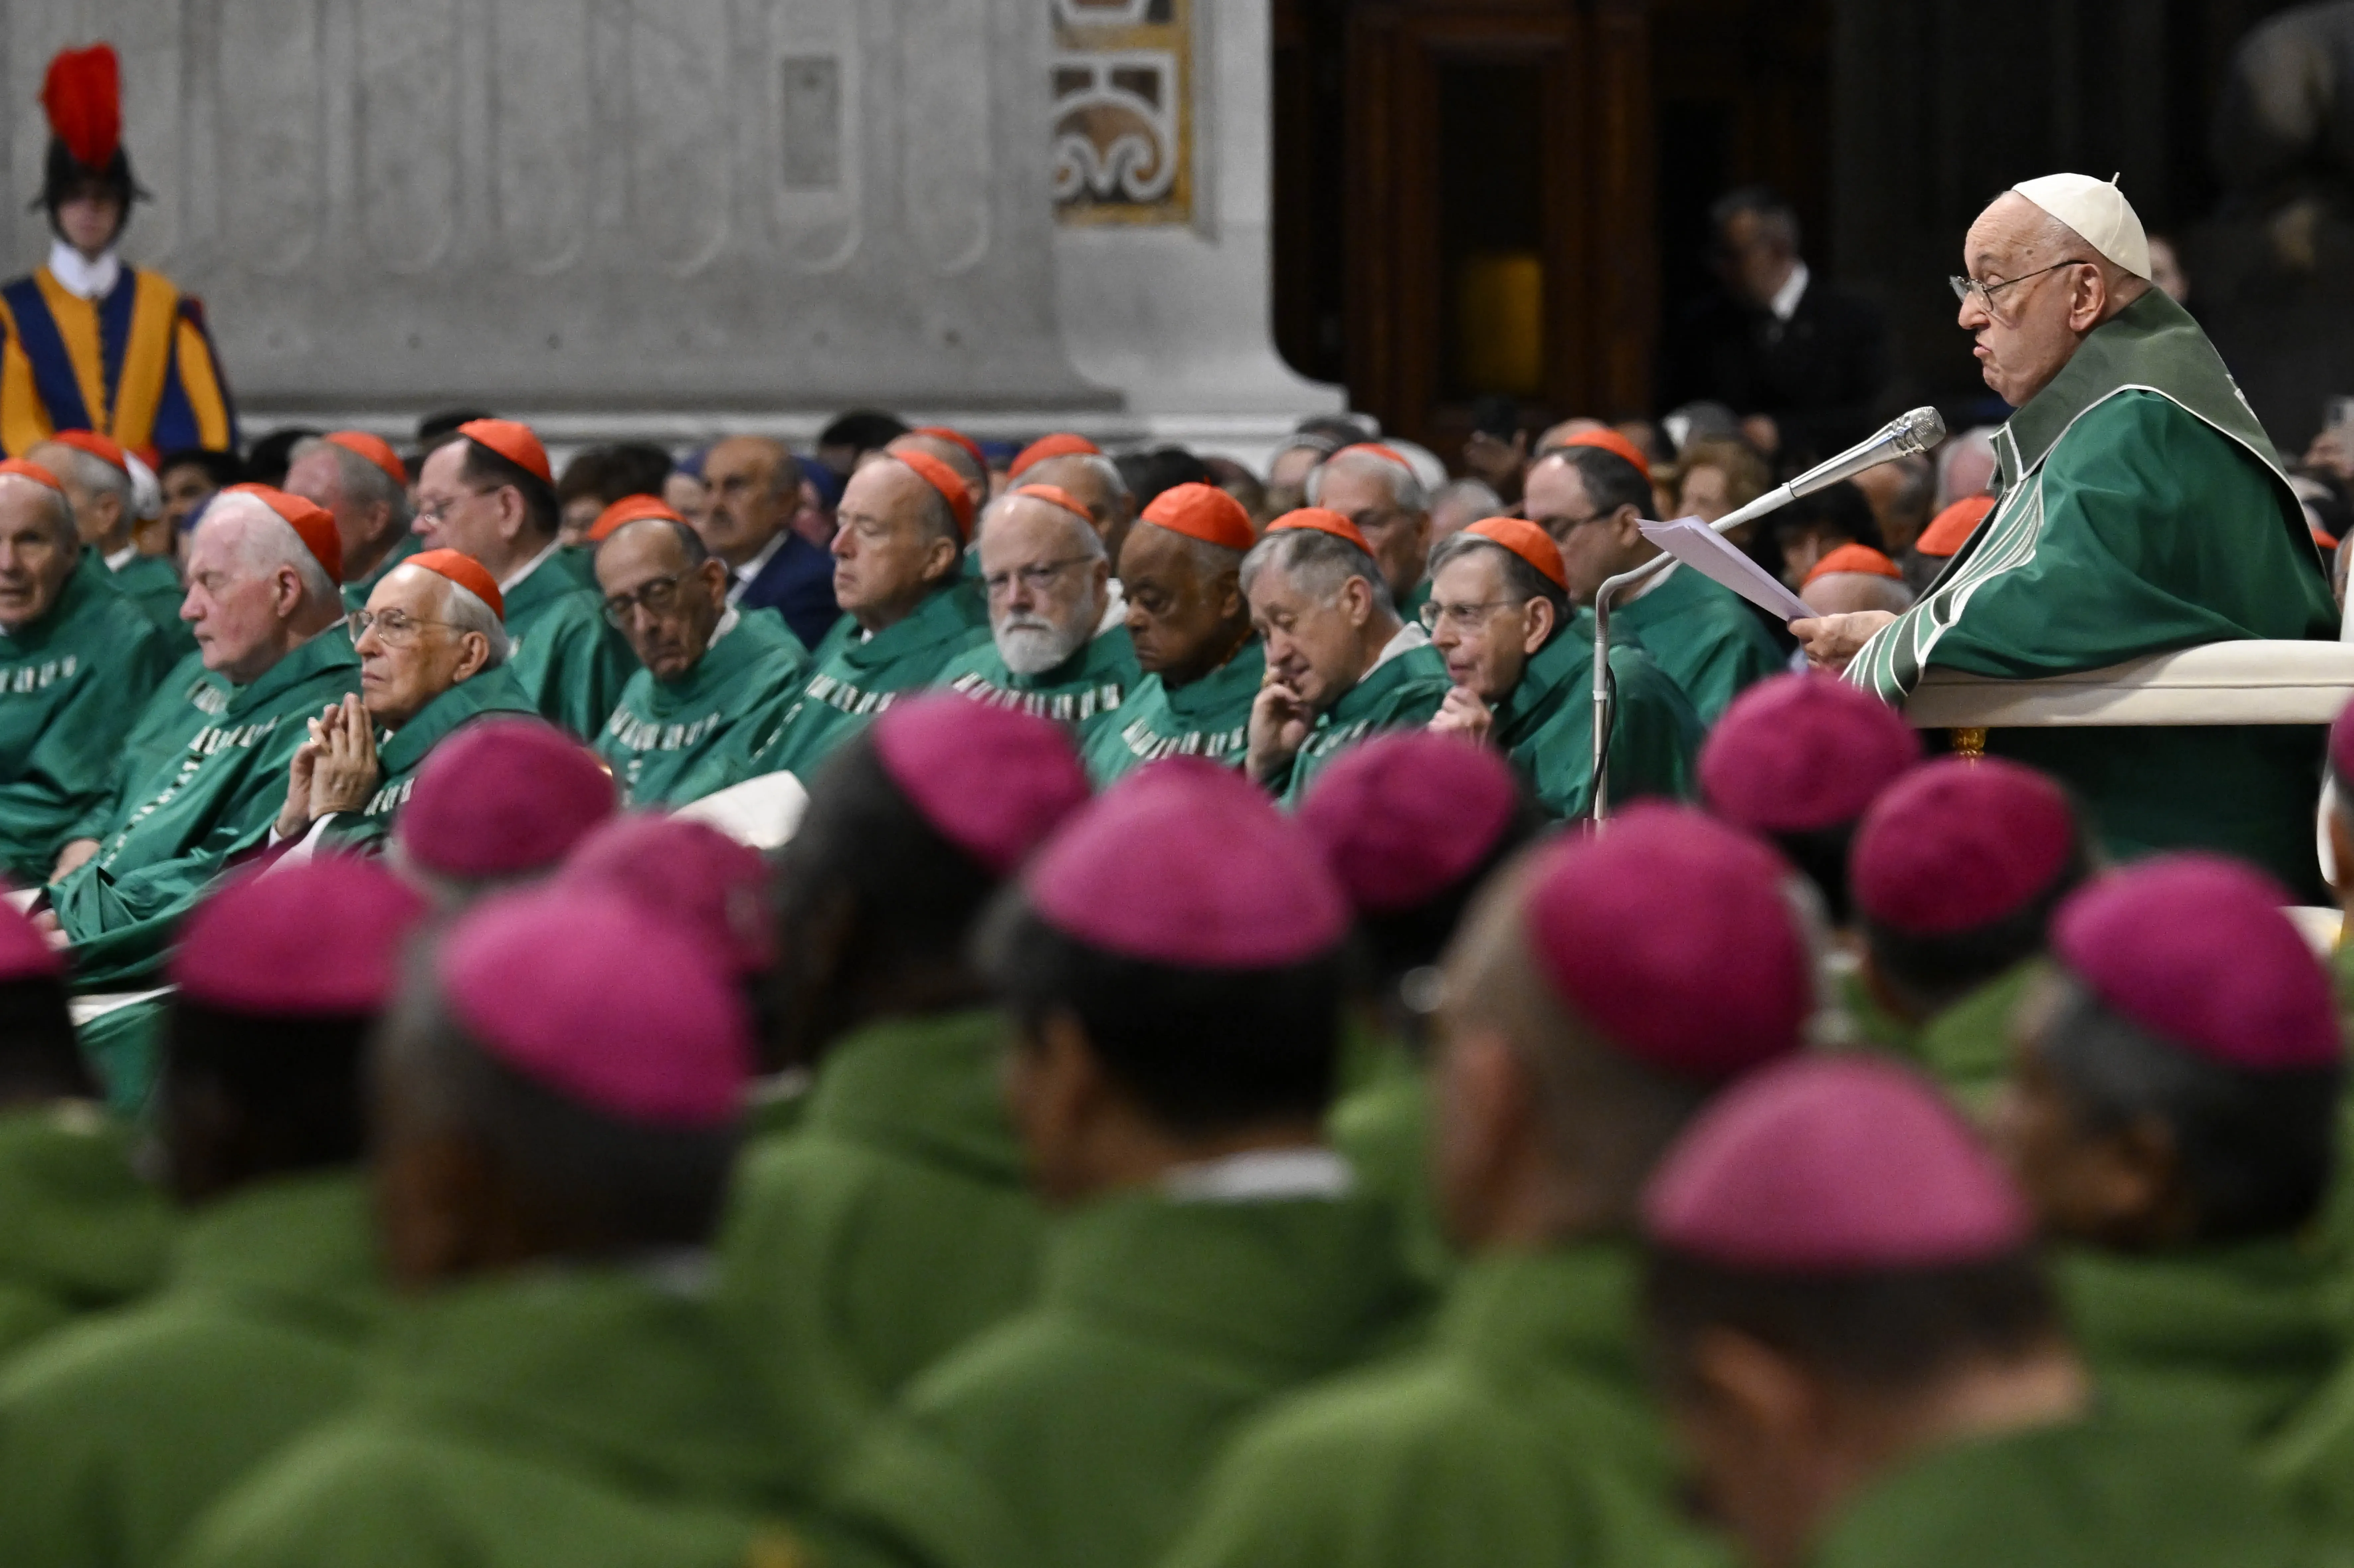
(1079, 692)
(669, 742)
(400, 753)
(1162, 1323)
(1703, 636)
(1209, 717)
(853, 677)
(188, 697)
(356, 592)
(216, 798)
(571, 663)
(152, 584)
(2141, 510)
(1545, 724)
(894, 1221)
(2109, 1492)
(1520, 1437)
(556, 1416)
(117, 1434)
(1402, 691)
(71, 685)
(79, 1230)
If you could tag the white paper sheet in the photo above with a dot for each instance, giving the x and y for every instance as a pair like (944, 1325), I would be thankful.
(1718, 558)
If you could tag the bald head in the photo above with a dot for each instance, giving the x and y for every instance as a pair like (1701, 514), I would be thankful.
(975, 477)
(753, 489)
(2043, 290)
(664, 591)
(1094, 482)
(98, 491)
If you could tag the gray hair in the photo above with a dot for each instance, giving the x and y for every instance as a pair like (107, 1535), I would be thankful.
(1521, 580)
(1103, 468)
(1321, 563)
(1406, 489)
(363, 482)
(100, 477)
(1082, 530)
(60, 510)
(1477, 493)
(467, 612)
(270, 542)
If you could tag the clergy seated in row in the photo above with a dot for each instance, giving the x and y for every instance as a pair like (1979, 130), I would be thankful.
(1058, 645)
(118, 1432)
(1171, 961)
(1522, 668)
(1200, 663)
(433, 657)
(1600, 994)
(1376, 489)
(753, 489)
(711, 674)
(898, 564)
(1590, 494)
(1341, 666)
(958, 452)
(264, 602)
(1077, 467)
(488, 494)
(893, 1222)
(77, 658)
(1871, 1366)
(362, 481)
(96, 476)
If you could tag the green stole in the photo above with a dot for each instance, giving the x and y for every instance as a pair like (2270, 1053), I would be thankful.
(399, 753)
(1401, 692)
(1209, 717)
(853, 677)
(670, 742)
(1080, 690)
(1544, 724)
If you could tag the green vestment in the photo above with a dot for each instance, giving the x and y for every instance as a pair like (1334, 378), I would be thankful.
(1079, 692)
(356, 592)
(400, 753)
(1703, 636)
(894, 1221)
(669, 742)
(1162, 1323)
(152, 584)
(1209, 717)
(572, 664)
(117, 1434)
(2141, 510)
(217, 797)
(1400, 691)
(1520, 1437)
(1968, 1046)
(79, 1230)
(1546, 726)
(187, 698)
(1381, 1128)
(71, 685)
(853, 677)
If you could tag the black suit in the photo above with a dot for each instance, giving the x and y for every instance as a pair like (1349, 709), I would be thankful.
(1819, 374)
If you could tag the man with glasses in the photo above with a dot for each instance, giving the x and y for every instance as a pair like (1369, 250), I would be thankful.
(1055, 649)
(1499, 614)
(491, 494)
(2141, 509)
(1375, 488)
(709, 670)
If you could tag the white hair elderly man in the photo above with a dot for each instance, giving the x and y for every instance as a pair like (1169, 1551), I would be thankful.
(1093, 481)
(95, 473)
(1375, 488)
(2142, 509)
(264, 602)
(433, 648)
(363, 483)
(1057, 646)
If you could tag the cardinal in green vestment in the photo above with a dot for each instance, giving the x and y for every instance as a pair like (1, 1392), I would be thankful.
(1058, 643)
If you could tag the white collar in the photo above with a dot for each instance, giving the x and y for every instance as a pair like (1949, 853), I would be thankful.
(728, 623)
(122, 557)
(1409, 637)
(507, 585)
(1259, 1175)
(1115, 609)
(757, 565)
(84, 280)
(1785, 302)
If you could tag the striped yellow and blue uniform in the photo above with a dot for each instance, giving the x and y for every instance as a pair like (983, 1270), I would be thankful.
(137, 365)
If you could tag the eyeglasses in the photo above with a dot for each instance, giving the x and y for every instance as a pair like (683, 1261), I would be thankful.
(1965, 286)
(656, 597)
(393, 628)
(1037, 579)
(434, 511)
(1557, 526)
(1433, 612)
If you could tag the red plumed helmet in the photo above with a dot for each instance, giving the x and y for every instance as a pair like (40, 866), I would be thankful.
(82, 95)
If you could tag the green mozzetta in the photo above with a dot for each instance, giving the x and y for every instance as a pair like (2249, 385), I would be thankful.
(356, 592)
(188, 697)
(571, 663)
(2141, 510)
(1080, 691)
(2108, 1492)
(400, 753)
(670, 742)
(1546, 726)
(894, 1221)
(1400, 691)
(1161, 1324)
(853, 677)
(82, 1232)
(152, 584)
(71, 685)
(1703, 636)
(1209, 717)
(216, 798)
(1519, 1438)
(118, 1432)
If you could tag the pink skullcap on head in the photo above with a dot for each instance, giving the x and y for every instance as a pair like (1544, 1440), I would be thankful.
(1408, 815)
(1839, 1164)
(2195, 948)
(1669, 933)
(24, 953)
(689, 873)
(1191, 867)
(302, 939)
(514, 441)
(501, 797)
(2341, 749)
(993, 781)
(1061, 444)
(600, 1001)
(1795, 753)
(1957, 843)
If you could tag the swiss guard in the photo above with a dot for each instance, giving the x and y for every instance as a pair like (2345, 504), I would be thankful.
(88, 342)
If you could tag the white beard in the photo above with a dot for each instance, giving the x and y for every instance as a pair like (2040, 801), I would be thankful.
(1032, 646)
